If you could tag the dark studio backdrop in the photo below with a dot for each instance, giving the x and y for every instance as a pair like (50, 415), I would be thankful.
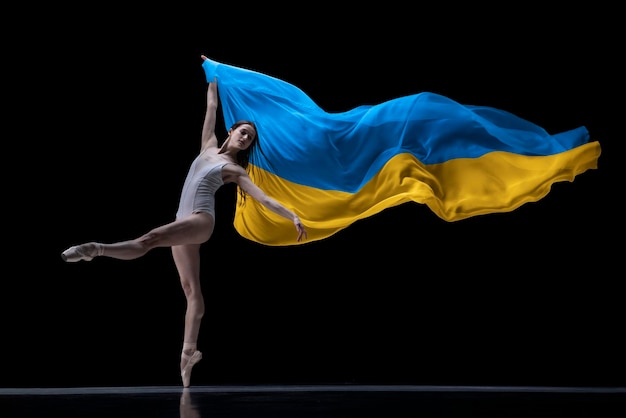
(529, 297)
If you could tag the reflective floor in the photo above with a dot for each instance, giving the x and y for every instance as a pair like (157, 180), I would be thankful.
(313, 401)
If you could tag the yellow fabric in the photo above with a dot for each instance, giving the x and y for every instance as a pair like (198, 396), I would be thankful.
(453, 190)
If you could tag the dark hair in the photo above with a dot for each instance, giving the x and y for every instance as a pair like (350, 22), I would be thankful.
(244, 156)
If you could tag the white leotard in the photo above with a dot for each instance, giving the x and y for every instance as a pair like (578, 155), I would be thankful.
(198, 195)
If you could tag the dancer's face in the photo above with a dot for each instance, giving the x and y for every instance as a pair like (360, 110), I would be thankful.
(243, 136)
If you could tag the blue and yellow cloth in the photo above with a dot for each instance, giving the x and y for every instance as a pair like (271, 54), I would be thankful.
(333, 169)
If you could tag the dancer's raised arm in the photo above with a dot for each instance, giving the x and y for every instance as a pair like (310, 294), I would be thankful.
(209, 140)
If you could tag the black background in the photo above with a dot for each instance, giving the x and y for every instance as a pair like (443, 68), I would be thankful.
(109, 107)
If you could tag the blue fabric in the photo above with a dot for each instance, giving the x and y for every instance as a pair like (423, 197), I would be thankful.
(345, 150)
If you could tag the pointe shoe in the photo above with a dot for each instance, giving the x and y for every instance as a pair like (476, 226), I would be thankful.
(80, 252)
(185, 373)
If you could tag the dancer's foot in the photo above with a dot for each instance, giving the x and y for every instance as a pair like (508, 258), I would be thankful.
(82, 252)
(187, 363)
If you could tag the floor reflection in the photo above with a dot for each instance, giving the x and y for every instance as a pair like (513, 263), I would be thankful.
(187, 408)
(313, 402)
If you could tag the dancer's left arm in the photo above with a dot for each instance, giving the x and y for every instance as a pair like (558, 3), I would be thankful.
(243, 180)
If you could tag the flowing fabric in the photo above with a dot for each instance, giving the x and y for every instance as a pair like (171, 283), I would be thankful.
(333, 169)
